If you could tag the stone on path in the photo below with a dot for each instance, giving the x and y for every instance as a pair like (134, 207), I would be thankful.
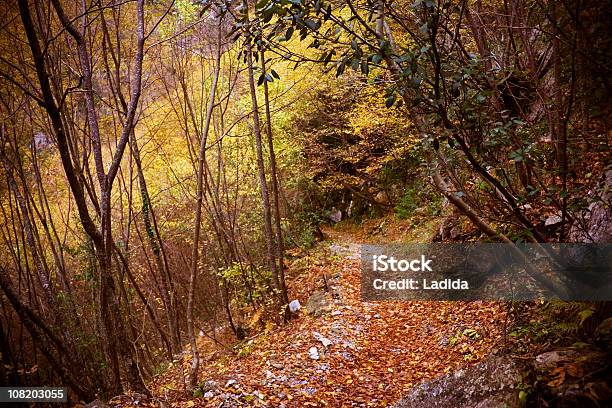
(294, 306)
(313, 353)
(492, 383)
(318, 304)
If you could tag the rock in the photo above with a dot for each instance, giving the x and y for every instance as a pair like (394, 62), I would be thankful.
(336, 313)
(96, 404)
(324, 340)
(603, 334)
(259, 395)
(595, 224)
(549, 360)
(229, 383)
(552, 220)
(335, 215)
(278, 366)
(318, 304)
(294, 306)
(309, 390)
(208, 394)
(492, 383)
(209, 385)
(313, 353)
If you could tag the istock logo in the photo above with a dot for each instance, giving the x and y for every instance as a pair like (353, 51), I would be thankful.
(383, 263)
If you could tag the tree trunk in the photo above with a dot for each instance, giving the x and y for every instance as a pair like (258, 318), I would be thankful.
(275, 186)
(195, 363)
(265, 198)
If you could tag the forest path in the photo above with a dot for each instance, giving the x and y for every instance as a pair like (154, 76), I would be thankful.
(357, 354)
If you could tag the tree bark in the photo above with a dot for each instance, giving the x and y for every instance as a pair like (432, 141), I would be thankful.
(261, 170)
(275, 186)
(195, 363)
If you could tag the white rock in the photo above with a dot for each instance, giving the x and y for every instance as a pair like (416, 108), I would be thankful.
(336, 313)
(294, 306)
(230, 383)
(313, 353)
(552, 220)
(209, 394)
(324, 340)
(335, 215)
(551, 359)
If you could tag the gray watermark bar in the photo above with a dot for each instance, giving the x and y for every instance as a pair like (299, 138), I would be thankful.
(486, 271)
(33, 394)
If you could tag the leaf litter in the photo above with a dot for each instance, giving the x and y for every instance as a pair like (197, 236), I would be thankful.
(367, 354)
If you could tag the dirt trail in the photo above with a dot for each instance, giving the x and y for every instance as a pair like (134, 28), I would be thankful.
(358, 354)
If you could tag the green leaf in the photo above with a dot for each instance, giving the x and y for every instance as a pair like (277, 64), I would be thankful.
(261, 4)
(522, 398)
(516, 156)
(390, 100)
(312, 24)
(328, 58)
(340, 69)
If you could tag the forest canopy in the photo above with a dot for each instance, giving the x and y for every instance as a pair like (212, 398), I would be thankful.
(163, 163)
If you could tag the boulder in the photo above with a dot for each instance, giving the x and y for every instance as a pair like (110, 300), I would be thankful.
(595, 224)
(551, 359)
(209, 385)
(489, 384)
(318, 304)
